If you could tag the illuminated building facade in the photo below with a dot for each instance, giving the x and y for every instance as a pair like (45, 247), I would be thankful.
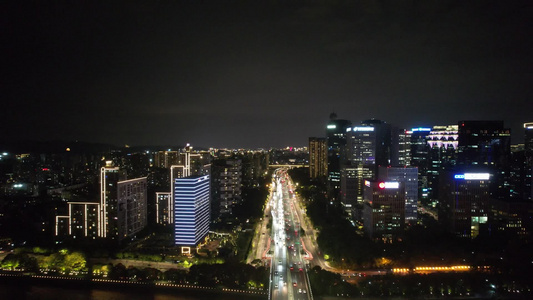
(131, 208)
(318, 158)
(336, 139)
(409, 177)
(528, 153)
(227, 185)
(512, 218)
(349, 188)
(384, 209)
(465, 198)
(165, 159)
(404, 148)
(443, 143)
(83, 219)
(109, 178)
(191, 164)
(365, 147)
(483, 143)
(163, 207)
(120, 213)
(487, 143)
(122, 204)
(192, 198)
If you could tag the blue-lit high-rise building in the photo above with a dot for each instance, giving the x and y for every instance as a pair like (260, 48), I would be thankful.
(192, 197)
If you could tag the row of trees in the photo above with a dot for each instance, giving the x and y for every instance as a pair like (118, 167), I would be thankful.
(230, 275)
(63, 261)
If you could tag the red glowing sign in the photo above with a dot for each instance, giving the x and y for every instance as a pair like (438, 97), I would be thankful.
(381, 185)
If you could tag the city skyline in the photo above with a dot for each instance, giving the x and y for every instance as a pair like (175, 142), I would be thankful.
(249, 75)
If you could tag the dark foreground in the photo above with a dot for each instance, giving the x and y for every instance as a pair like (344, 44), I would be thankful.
(41, 289)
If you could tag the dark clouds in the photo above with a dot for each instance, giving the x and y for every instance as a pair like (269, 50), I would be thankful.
(243, 74)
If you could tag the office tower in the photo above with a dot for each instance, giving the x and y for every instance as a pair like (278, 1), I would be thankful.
(420, 158)
(384, 209)
(362, 155)
(528, 152)
(368, 146)
(227, 186)
(318, 158)
(465, 197)
(163, 207)
(349, 188)
(483, 143)
(408, 176)
(336, 138)
(487, 143)
(192, 197)
(192, 164)
(443, 143)
(383, 134)
(131, 214)
(404, 148)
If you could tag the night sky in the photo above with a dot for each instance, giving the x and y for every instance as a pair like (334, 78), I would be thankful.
(243, 74)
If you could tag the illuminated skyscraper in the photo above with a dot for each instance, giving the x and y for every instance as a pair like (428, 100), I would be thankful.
(408, 176)
(109, 178)
(336, 138)
(404, 148)
(122, 204)
(350, 180)
(485, 143)
(192, 197)
(528, 152)
(227, 186)
(318, 158)
(384, 209)
(465, 199)
(443, 143)
(192, 164)
(368, 146)
(362, 155)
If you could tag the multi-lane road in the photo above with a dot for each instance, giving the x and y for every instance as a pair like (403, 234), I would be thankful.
(289, 260)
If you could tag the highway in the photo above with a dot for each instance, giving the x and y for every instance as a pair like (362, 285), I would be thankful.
(288, 262)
